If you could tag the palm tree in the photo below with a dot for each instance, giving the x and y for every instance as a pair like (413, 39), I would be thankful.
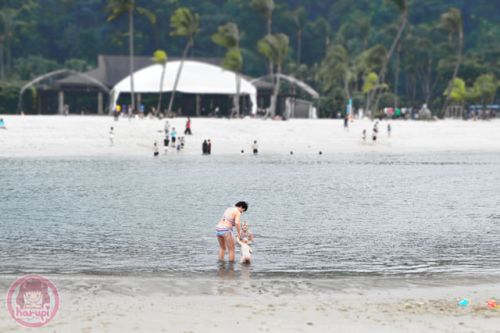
(9, 22)
(184, 23)
(275, 49)
(452, 22)
(264, 8)
(298, 17)
(233, 61)
(160, 57)
(396, 76)
(228, 36)
(402, 6)
(118, 8)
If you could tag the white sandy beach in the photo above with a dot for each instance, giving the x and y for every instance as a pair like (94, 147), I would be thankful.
(59, 136)
(126, 304)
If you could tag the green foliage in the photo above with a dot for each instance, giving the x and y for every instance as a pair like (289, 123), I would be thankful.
(263, 7)
(297, 17)
(274, 47)
(484, 89)
(78, 65)
(9, 93)
(33, 66)
(333, 45)
(458, 91)
(401, 5)
(227, 36)
(184, 23)
(160, 57)
(334, 69)
(451, 21)
(370, 82)
(233, 60)
(118, 8)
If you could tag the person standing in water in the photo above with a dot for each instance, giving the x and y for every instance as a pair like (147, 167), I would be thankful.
(224, 229)
(111, 136)
(204, 147)
(156, 151)
(173, 136)
(255, 147)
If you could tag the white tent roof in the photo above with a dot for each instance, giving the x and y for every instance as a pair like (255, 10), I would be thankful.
(196, 78)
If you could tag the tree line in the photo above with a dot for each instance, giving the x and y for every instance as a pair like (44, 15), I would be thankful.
(379, 53)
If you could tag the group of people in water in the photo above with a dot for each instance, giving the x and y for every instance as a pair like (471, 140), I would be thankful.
(375, 131)
(244, 237)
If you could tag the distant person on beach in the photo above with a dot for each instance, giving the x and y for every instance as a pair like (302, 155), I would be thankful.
(255, 147)
(364, 134)
(173, 136)
(188, 127)
(166, 142)
(204, 147)
(209, 148)
(141, 111)
(156, 151)
(111, 136)
(389, 129)
(246, 251)
(116, 112)
(130, 111)
(2, 124)
(224, 229)
(167, 127)
(346, 122)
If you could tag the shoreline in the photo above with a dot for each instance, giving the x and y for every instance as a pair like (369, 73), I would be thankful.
(125, 304)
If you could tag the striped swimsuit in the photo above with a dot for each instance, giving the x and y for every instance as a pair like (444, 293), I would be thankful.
(222, 231)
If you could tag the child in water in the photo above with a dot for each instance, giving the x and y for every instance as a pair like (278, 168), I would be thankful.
(245, 239)
(246, 251)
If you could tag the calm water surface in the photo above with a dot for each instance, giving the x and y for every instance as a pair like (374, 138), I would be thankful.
(323, 215)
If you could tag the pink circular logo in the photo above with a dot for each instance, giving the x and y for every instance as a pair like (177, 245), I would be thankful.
(32, 300)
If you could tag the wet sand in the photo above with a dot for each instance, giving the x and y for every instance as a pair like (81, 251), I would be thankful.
(228, 304)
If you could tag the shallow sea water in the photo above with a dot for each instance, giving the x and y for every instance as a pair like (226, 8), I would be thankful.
(311, 215)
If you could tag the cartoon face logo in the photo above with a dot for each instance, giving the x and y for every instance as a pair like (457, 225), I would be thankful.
(33, 300)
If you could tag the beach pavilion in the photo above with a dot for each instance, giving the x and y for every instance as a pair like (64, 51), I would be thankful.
(296, 99)
(206, 89)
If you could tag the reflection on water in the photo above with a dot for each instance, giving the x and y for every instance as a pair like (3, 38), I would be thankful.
(339, 215)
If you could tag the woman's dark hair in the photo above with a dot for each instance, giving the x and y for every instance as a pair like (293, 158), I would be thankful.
(242, 204)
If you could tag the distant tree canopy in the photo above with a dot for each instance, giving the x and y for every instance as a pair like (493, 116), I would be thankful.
(379, 52)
